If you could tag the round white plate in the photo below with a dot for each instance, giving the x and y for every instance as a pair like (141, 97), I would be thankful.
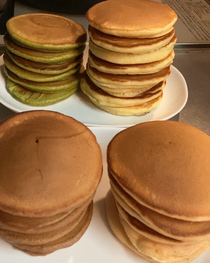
(79, 106)
(98, 244)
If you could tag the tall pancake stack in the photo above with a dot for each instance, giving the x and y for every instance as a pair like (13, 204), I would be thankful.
(43, 58)
(159, 203)
(50, 168)
(130, 53)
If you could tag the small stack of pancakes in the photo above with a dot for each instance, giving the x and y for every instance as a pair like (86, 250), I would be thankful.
(159, 202)
(130, 53)
(43, 58)
(47, 181)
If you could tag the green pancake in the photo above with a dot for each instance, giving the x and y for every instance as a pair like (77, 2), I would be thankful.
(46, 32)
(46, 87)
(34, 98)
(40, 56)
(37, 77)
(44, 68)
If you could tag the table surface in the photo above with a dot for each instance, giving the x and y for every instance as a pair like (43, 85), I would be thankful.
(193, 63)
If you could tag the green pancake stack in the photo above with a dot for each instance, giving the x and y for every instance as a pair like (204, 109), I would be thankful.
(43, 58)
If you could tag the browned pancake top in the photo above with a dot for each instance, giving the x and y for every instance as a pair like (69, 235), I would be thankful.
(50, 163)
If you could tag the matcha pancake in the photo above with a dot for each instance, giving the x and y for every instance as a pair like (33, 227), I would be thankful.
(134, 18)
(46, 32)
(66, 241)
(41, 167)
(41, 238)
(40, 56)
(44, 68)
(128, 45)
(140, 80)
(131, 69)
(98, 95)
(129, 58)
(46, 87)
(33, 76)
(34, 98)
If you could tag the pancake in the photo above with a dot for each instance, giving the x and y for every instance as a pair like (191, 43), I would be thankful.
(46, 32)
(42, 167)
(133, 19)
(127, 80)
(44, 68)
(34, 98)
(66, 241)
(41, 238)
(37, 77)
(175, 153)
(40, 56)
(46, 87)
(182, 230)
(128, 45)
(98, 95)
(128, 58)
(164, 252)
(137, 110)
(37, 225)
(113, 68)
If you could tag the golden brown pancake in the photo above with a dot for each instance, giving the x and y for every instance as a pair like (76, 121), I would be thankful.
(113, 68)
(182, 230)
(66, 241)
(37, 225)
(136, 18)
(46, 32)
(129, 58)
(53, 158)
(164, 165)
(128, 45)
(139, 80)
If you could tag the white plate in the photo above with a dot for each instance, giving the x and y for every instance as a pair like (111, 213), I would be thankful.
(79, 106)
(98, 244)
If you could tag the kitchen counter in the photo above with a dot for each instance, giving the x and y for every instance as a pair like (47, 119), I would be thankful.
(192, 62)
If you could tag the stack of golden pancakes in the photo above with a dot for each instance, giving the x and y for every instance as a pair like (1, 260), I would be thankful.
(130, 53)
(43, 58)
(50, 168)
(159, 202)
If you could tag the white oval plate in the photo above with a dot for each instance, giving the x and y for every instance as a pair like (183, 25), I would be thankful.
(98, 244)
(79, 106)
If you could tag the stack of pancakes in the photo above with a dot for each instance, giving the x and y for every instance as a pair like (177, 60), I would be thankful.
(43, 58)
(130, 53)
(159, 203)
(48, 180)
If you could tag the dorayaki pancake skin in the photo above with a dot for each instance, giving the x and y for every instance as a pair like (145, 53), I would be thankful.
(44, 68)
(129, 58)
(97, 94)
(117, 228)
(186, 231)
(134, 18)
(37, 77)
(37, 225)
(34, 98)
(127, 80)
(113, 68)
(53, 158)
(46, 87)
(46, 32)
(128, 45)
(164, 165)
(66, 241)
(40, 56)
